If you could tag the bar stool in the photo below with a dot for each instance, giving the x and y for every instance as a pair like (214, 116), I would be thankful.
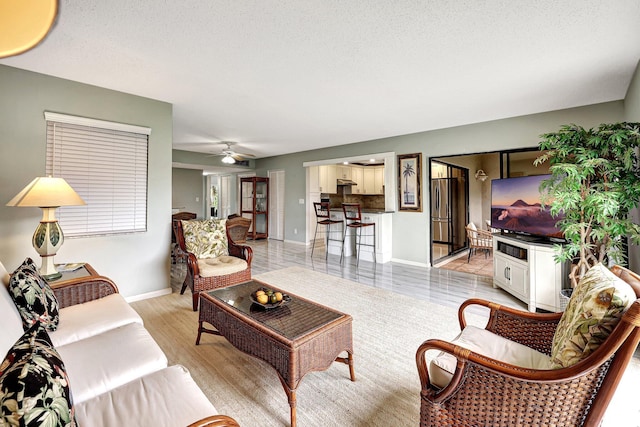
(353, 220)
(323, 216)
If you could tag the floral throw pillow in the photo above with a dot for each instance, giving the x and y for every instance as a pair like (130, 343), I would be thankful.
(595, 308)
(34, 297)
(34, 388)
(206, 238)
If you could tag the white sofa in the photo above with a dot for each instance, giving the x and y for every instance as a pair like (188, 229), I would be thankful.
(117, 373)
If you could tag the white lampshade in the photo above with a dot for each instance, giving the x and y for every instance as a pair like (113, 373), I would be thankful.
(47, 192)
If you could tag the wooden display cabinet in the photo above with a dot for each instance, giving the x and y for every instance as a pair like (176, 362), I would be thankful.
(254, 199)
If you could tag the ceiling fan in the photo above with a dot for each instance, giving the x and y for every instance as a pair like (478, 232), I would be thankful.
(230, 156)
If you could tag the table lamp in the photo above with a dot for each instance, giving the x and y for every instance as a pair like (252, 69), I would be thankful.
(48, 194)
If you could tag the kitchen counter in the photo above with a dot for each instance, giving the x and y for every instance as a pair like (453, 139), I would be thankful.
(383, 235)
(369, 211)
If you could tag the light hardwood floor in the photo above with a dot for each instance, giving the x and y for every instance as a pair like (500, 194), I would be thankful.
(440, 286)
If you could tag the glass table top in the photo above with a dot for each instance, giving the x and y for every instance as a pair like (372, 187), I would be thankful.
(292, 320)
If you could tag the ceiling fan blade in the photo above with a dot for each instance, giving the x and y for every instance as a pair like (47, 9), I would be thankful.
(241, 156)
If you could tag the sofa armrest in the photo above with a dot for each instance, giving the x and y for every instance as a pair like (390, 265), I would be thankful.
(215, 421)
(83, 289)
(535, 330)
(241, 251)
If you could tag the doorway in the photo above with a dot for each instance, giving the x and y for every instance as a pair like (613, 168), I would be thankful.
(449, 209)
(276, 204)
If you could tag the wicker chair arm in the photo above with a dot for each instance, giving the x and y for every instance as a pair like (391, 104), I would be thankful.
(84, 289)
(241, 251)
(216, 421)
(534, 330)
(192, 264)
(498, 370)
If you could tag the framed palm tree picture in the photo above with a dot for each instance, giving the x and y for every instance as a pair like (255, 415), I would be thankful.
(409, 179)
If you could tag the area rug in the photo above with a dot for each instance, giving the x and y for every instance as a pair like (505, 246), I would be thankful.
(387, 330)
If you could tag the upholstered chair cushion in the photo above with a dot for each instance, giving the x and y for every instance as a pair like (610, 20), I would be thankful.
(34, 387)
(221, 266)
(33, 296)
(594, 309)
(486, 343)
(206, 238)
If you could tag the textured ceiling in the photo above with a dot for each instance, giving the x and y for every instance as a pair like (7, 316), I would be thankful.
(282, 76)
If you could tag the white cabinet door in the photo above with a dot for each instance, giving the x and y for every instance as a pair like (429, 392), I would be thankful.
(314, 179)
(519, 279)
(369, 180)
(343, 172)
(358, 178)
(328, 180)
(378, 180)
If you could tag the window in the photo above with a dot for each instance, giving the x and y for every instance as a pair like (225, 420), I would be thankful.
(106, 163)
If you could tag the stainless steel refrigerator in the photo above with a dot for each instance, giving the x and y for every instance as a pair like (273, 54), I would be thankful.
(440, 209)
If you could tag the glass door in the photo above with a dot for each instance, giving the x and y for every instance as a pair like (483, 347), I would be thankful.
(449, 209)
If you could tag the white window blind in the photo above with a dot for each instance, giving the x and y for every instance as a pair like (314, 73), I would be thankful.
(106, 164)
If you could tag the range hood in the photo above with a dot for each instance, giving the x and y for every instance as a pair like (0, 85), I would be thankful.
(346, 182)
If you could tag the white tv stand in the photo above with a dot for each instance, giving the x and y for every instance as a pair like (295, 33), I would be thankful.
(526, 268)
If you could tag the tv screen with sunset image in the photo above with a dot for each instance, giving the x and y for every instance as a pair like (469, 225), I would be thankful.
(516, 207)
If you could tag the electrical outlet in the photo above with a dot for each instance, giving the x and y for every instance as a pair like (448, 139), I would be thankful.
(197, 199)
(301, 201)
(295, 231)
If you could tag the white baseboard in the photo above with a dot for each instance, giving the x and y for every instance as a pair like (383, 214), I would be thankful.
(295, 242)
(416, 264)
(134, 298)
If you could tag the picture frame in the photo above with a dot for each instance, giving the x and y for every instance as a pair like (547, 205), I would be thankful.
(410, 182)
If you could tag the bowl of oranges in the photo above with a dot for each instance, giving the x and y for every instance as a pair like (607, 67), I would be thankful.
(268, 298)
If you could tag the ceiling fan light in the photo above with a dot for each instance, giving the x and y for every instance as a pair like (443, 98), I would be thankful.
(228, 160)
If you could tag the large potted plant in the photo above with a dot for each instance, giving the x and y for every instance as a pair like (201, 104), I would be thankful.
(595, 183)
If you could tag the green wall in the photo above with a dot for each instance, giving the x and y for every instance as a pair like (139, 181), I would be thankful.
(187, 191)
(411, 229)
(632, 114)
(138, 263)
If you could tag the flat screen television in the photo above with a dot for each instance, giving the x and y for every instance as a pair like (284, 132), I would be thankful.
(516, 208)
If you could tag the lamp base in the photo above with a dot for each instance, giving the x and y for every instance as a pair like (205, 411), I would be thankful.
(47, 239)
(48, 270)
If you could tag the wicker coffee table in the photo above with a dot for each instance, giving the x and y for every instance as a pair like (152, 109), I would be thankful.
(296, 338)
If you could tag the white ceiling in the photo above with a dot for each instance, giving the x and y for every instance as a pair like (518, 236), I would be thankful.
(282, 76)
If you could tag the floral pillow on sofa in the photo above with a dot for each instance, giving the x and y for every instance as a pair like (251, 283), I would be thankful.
(34, 388)
(206, 238)
(595, 308)
(33, 297)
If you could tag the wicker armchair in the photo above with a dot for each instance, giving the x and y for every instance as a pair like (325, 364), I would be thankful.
(238, 229)
(488, 392)
(198, 283)
(478, 239)
(176, 253)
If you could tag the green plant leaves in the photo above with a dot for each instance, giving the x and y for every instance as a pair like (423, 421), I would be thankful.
(595, 183)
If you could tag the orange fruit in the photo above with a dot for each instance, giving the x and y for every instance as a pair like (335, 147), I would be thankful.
(262, 298)
(278, 296)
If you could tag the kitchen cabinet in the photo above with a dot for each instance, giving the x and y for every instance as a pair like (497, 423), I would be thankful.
(328, 179)
(314, 179)
(368, 180)
(357, 177)
(528, 271)
(254, 199)
(343, 172)
(373, 180)
(378, 180)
